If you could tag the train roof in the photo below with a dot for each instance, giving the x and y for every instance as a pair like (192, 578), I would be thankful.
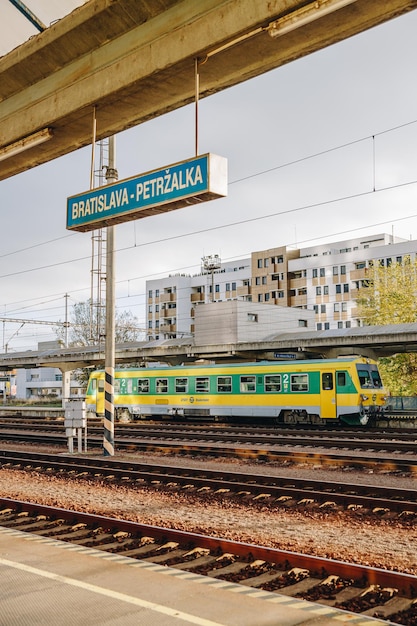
(254, 364)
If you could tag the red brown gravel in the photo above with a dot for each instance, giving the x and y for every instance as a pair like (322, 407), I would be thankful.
(383, 543)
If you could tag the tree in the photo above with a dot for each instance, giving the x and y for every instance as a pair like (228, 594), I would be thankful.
(389, 296)
(87, 327)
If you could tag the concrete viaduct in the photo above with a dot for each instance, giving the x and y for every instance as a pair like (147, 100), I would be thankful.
(370, 341)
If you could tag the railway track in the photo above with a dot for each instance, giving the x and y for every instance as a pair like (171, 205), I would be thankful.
(371, 500)
(406, 463)
(400, 443)
(355, 588)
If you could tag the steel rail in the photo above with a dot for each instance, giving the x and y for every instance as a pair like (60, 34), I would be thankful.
(318, 567)
(271, 488)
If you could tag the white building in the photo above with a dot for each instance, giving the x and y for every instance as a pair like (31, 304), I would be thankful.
(323, 279)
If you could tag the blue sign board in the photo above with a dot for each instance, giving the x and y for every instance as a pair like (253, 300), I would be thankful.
(172, 187)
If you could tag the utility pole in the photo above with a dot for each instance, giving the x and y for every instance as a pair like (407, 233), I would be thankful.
(110, 348)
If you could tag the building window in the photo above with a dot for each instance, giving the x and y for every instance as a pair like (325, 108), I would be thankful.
(156, 308)
(252, 317)
(260, 297)
(325, 290)
(266, 262)
(259, 263)
(336, 307)
(322, 308)
(302, 323)
(280, 294)
(338, 288)
(326, 326)
(156, 293)
(150, 308)
(318, 291)
(227, 286)
(233, 286)
(346, 288)
(217, 288)
(257, 280)
(344, 307)
(319, 326)
(322, 272)
(343, 269)
(150, 293)
(340, 324)
(150, 324)
(315, 274)
(348, 324)
(316, 308)
(280, 259)
(335, 270)
(264, 280)
(266, 297)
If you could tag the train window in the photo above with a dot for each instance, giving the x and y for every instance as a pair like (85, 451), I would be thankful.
(299, 382)
(181, 385)
(202, 384)
(341, 379)
(327, 381)
(143, 385)
(273, 383)
(376, 378)
(117, 385)
(101, 385)
(224, 384)
(364, 378)
(161, 385)
(247, 384)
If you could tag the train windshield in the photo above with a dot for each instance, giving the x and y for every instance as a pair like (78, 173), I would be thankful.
(369, 376)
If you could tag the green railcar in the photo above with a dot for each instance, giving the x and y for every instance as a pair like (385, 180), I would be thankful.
(318, 391)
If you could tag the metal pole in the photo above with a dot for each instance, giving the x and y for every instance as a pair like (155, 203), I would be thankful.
(109, 354)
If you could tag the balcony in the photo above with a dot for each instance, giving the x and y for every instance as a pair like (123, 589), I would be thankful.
(197, 297)
(244, 290)
(298, 300)
(361, 274)
(167, 297)
(298, 283)
(167, 328)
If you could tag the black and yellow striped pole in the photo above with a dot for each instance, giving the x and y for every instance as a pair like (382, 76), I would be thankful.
(109, 355)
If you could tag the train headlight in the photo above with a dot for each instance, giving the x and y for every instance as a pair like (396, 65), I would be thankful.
(364, 397)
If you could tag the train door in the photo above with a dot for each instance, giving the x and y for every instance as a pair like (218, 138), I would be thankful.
(328, 406)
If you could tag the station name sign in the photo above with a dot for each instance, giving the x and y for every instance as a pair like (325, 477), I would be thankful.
(159, 191)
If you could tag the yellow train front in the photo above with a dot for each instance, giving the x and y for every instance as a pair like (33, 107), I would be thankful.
(319, 391)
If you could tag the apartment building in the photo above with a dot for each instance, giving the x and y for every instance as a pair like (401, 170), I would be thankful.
(324, 279)
(172, 301)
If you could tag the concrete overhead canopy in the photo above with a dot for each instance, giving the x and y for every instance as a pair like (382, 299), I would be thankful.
(135, 60)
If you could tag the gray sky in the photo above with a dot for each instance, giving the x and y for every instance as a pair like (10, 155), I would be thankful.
(299, 143)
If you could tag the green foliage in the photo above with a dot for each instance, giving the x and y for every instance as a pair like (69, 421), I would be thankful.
(390, 297)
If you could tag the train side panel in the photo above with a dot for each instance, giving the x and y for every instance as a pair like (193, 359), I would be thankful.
(348, 390)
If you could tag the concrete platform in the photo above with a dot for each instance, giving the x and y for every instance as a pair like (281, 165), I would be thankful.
(46, 581)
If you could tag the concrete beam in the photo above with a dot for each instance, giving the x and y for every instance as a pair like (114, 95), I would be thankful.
(134, 61)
